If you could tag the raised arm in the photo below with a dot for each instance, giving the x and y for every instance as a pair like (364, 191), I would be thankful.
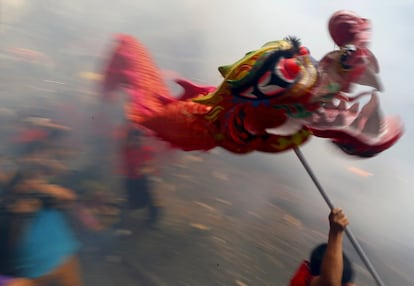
(332, 262)
(57, 192)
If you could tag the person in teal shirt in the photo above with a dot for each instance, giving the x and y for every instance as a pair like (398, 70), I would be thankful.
(44, 249)
(44, 244)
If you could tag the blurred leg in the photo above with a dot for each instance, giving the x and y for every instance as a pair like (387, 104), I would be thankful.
(69, 273)
(19, 282)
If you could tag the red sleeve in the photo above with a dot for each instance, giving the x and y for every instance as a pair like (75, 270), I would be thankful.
(302, 276)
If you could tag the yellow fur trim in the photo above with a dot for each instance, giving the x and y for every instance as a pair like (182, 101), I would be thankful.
(286, 142)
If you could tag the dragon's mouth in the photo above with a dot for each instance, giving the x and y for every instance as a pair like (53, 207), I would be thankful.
(355, 130)
(366, 122)
(363, 132)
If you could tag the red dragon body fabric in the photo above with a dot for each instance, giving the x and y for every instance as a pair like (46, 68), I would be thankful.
(271, 100)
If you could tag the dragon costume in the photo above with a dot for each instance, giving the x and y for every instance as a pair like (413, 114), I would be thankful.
(271, 100)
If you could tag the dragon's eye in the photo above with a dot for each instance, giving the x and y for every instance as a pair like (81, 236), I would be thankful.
(346, 53)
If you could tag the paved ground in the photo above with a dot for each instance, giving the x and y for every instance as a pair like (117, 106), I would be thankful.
(222, 226)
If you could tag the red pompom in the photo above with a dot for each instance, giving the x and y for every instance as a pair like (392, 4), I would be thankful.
(346, 27)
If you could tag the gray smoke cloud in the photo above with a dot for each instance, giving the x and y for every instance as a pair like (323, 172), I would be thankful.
(195, 37)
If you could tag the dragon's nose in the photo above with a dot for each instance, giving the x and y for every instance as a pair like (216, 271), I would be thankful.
(289, 68)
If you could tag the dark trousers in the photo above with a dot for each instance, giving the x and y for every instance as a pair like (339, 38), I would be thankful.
(138, 193)
(139, 196)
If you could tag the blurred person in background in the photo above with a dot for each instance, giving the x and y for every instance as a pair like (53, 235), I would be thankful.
(38, 243)
(6, 273)
(328, 265)
(138, 165)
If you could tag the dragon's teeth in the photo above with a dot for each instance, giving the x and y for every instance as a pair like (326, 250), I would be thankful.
(341, 106)
(354, 108)
(339, 120)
